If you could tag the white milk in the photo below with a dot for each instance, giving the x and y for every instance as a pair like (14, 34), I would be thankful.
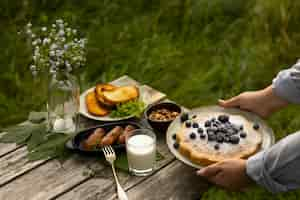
(141, 152)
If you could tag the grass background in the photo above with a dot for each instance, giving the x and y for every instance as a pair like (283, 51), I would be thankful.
(196, 51)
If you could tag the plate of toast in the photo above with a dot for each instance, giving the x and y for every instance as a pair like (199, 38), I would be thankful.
(98, 102)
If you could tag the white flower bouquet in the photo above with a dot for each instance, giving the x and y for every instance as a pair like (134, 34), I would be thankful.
(56, 48)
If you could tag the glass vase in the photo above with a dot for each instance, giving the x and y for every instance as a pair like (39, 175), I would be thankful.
(63, 103)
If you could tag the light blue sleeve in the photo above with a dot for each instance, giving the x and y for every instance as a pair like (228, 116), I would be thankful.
(287, 84)
(278, 168)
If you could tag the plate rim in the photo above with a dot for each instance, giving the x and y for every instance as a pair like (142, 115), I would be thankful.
(185, 160)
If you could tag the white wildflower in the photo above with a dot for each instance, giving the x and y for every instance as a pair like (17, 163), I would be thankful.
(74, 31)
(53, 26)
(61, 33)
(29, 25)
(32, 67)
(53, 46)
(46, 41)
(59, 21)
(29, 32)
(44, 29)
(52, 53)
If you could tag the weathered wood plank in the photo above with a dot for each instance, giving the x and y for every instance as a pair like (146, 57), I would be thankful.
(6, 147)
(102, 186)
(49, 180)
(175, 182)
(15, 164)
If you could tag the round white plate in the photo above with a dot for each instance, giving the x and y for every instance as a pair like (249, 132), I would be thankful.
(268, 138)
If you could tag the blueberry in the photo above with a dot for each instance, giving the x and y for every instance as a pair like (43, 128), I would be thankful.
(223, 129)
(217, 146)
(176, 145)
(192, 135)
(184, 117)
(195, 125)
(207, 123)
(226, 139)
(256, 126)
(194, 116)
(220, 139)
(202, 136)
(210, 132)
(188, 124)
(243, 134)
(223, 118)
(200, 130)
(211, 137)
(241, 127)
(234, 139)
(214, 129)
(174, 137)
(213, 119)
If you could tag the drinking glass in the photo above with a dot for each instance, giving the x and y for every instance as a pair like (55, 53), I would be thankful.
(141, 152)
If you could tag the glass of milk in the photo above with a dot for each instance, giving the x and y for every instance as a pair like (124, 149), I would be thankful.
(141, 152)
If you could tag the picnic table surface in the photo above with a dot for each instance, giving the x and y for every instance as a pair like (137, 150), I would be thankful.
(48, 179)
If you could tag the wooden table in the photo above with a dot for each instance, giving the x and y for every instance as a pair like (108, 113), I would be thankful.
(49, 179)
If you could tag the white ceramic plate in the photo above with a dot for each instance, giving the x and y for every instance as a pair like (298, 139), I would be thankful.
(147, 94)
(268, 138)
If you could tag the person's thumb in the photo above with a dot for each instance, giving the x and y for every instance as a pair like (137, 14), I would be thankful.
(233, 102)
(209, 171)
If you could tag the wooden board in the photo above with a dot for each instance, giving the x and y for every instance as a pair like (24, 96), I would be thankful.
(175, 182)
(6, 147)
(49, 180)
(90, 190)
(15, 164)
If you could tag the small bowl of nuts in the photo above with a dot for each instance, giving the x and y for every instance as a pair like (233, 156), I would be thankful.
(160, 115)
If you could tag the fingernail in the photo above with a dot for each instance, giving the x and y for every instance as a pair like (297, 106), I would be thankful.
(200, 172)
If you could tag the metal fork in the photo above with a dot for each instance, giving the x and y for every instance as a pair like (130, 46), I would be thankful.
(110, 156)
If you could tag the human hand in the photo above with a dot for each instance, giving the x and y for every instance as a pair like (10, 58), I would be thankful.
(230, 174)
(262, 102)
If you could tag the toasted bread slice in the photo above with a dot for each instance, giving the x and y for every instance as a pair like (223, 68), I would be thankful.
(99, 93)
(121, 94)
(93, 105)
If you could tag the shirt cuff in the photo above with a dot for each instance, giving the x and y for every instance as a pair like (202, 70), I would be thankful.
(256, 170)
(285, 87)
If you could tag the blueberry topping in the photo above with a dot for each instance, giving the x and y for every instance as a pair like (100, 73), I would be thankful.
(184, 117)
(241, 127)
(195, 125)
(211, 137)
(227, 139)
(188, 124)
(234, 139)
(202, 136)
(223, 118)
(207, 123)
(243, 134)
(220, 139)
(200, 130)
(214, 129)
(217, 146)
(174, 137)
(176, 145)
(256, 126)
(192, 135)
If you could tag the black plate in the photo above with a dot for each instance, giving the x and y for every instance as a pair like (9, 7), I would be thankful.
(74, 143)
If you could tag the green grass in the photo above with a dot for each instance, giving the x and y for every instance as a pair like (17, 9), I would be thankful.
(195, 51)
